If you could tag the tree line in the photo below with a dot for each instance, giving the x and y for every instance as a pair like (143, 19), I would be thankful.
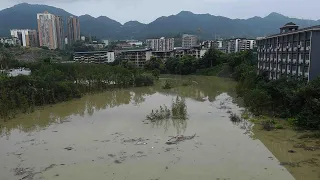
(293, 99)
(52, 83)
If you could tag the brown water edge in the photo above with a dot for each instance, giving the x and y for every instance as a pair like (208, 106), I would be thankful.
(106, 136)
(301, 156)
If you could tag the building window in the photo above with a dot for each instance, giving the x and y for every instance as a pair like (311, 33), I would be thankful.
(294, 67)
(308, 44)
(295, 56)
(307, 57)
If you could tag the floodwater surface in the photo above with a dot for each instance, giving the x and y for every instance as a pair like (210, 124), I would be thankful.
(107, 136)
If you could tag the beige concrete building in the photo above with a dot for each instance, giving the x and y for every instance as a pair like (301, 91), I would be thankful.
(189, 41)
(51, 31)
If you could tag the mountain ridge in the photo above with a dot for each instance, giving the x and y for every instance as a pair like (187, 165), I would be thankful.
(206, 26)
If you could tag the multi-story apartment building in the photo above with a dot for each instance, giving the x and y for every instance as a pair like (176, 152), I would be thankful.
(27, 37)
(291, 53)
(11, 41)
(218, 44)
(237, 45)
(247, 44)
(73, 30)
(196, 52)
(161, 44)
(98, 57)
(138, 56)
(189, 41)
(47, 30)
(50, 28)
(60, 32)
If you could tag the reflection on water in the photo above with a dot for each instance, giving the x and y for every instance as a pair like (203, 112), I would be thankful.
(106, 135)
(202, 89)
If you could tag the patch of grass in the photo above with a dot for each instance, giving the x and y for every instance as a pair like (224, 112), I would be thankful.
(279, 126)
(167, 85)
(245, 115)
(268, 124)
(315, 135)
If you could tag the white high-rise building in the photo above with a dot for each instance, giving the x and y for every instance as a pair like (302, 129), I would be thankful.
(27, 37)
(161, 44)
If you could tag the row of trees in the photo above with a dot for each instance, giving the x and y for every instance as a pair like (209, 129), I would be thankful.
(188, 64)
(52, 83)
(291, 99)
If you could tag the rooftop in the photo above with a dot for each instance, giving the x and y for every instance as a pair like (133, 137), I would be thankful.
(92, 52)
(312, 28)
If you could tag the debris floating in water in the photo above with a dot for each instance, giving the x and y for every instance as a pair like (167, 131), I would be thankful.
(179, 138)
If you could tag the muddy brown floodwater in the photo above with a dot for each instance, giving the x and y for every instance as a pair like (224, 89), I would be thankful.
(107, 136)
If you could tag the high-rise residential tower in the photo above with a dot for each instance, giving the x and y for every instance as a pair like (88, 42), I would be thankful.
(47, 30)
(161, 44)
(27, 37)
(60, 32)
(73, 30)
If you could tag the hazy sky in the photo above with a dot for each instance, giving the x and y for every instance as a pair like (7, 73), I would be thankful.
(148, 10)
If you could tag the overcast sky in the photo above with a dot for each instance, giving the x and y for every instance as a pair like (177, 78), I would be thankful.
(148, 10)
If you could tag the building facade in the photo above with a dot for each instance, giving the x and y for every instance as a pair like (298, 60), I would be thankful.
(98, 57)
(162, 44)
(27, 37)
(189, 41)
(10, 41)
(292, 53)
(138, 57)
(73, 30)
(47, 30)
(60, 32)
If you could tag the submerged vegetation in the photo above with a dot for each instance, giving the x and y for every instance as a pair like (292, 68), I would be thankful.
(178, 111)
(159, 114)
(52, 83)
(178, 114)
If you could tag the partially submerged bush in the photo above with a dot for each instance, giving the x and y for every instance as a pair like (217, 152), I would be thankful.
(159, 114)
(234, 118)
(178, 111)
(179, 108)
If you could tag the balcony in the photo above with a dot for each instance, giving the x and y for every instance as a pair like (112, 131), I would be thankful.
(284, 60)
(302, 48)
(294, 72)
(306, 74)
(289, 60)
(308, 48)
(294, 61)
(307, 62)
(295, 49)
